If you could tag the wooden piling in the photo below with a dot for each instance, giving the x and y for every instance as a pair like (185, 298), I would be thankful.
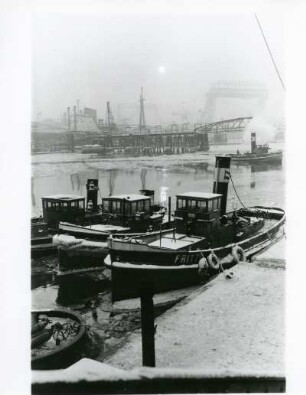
(147, 325)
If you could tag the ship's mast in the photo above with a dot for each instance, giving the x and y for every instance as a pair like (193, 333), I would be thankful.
(142, 121)
(109, 118)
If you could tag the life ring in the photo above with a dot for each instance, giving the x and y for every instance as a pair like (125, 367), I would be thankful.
(202, 266)
(238, 254)
(213, 261)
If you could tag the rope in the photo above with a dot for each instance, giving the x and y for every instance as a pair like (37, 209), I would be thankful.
(273, 61)
(236, 192)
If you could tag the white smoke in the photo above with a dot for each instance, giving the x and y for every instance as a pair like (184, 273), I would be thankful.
(266, 121)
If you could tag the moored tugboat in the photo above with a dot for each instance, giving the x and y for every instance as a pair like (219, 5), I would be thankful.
(258, 154)
(206, 240)
(83, 248)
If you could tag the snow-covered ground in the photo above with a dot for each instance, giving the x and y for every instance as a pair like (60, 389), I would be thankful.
(233, 324)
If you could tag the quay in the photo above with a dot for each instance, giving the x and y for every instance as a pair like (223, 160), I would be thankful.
(227, 336)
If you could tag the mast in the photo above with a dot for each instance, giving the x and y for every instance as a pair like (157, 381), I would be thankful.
(142, 121)
(109, 118)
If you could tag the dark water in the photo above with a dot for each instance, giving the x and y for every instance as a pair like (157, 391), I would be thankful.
(167, 175)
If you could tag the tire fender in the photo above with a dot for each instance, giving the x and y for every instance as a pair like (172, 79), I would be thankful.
(238, 254)
(203, 265)
(213, 261)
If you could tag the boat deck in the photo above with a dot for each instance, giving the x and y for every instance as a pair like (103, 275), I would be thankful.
(179, 241)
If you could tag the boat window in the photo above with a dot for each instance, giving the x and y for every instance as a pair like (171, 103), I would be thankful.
(140, 205)
(75, 204)
(216, 204)
(106, 205)
(133, 207)
(181, 203)
(219, 203)
(147, 205)
(81, 204)
(54, 205)
(210, 205)
(192, 203)
(116, 206)
(202, 204)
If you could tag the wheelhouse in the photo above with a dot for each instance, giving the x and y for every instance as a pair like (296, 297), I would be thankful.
(127, 205)
(197, 213)
(68, 208)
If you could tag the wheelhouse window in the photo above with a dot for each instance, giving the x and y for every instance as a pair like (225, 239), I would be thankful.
(133, 207)
(202, 205)
(116, 207)
(210, 205)
(140, 205)
(192, 203)
(147, 205)
(106, 205)
(181, 203)
(75, 204)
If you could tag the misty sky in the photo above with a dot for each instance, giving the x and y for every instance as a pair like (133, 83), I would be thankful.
(175, 58)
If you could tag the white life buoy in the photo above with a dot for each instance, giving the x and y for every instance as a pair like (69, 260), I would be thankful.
(238, 254)
(202, 266)
(213, 261)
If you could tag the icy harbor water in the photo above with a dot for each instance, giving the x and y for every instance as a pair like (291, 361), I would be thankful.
(168, 176)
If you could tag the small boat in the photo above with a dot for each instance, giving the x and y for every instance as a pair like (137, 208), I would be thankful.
(206, 240)
(258, 154)
(55, 338)
(41, 240)
(83, 248)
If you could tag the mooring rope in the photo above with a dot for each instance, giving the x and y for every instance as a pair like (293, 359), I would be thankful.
(236, 192)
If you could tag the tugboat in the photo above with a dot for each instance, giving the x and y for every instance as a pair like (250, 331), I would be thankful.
(258, 154)
(82, 248)
(206, 240)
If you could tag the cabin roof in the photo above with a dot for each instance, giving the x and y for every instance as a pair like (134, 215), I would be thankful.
(199, 195)
(129, 197)
(65, 198)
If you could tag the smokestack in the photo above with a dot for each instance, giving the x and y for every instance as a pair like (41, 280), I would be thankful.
(68, 116)
(74, 118)
(92, 194)
(222, 177)
(253, 143)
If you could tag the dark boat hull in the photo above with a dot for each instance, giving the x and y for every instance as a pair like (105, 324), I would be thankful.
(79, 260)
(268, 158)
(166, 270)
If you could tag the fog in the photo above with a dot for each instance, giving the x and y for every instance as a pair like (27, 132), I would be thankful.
(175, 58)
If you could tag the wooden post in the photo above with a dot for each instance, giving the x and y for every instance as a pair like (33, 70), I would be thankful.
(147, 326)
(169, 209)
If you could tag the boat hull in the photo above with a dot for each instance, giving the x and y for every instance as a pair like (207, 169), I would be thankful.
(166, 269)
(78, 256)
(81, 259)
(269, 158)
